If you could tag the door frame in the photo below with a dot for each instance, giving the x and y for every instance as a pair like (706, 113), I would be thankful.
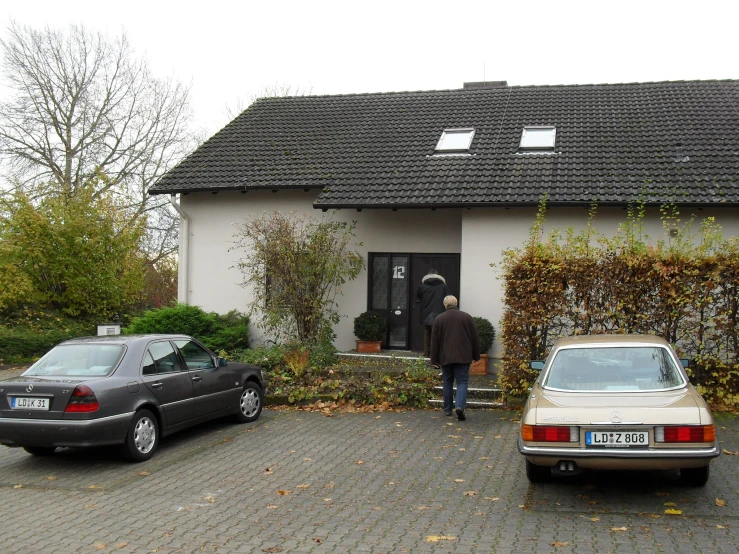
(410, 292)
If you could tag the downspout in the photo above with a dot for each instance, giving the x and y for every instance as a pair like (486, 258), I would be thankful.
(183, 275)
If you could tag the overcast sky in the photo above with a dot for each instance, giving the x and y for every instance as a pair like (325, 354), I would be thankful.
(231, 50)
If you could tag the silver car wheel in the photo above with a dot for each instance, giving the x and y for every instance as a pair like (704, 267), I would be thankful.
(249, 403)
(144, 435)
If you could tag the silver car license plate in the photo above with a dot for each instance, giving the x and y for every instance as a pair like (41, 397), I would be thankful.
(29, 403)
(620, 439)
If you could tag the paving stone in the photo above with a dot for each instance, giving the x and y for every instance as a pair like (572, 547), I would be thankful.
(381, 482)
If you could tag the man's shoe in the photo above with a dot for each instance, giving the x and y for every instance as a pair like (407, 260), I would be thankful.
(460, 414)
(448, 414)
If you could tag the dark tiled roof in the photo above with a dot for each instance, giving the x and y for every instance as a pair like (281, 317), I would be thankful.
(669, 141)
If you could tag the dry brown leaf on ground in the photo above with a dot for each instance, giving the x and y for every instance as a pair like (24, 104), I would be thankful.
(437, 538)
(283, 492)
(459, 480)
(673, 512)
(100, 545)
(470, 493)
(670, 504)
(720, 502)
(144, 473)
(619, 529)
(302, 486)
(558, 543)
(210, 499)
(728, 453)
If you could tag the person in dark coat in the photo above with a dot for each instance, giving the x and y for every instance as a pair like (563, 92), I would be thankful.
(431, 295)
(454, 346)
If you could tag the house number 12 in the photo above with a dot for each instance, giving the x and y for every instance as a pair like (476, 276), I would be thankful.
(399, 272)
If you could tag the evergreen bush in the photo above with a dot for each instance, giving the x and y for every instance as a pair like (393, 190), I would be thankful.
(486, 333)
(370, 326)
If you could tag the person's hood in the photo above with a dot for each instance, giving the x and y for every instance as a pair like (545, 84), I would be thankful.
(431, 276)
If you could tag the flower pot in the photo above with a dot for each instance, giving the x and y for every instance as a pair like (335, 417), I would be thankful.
(480, 367)
(365, 346)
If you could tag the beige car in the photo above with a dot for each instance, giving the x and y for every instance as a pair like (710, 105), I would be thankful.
(615, 402)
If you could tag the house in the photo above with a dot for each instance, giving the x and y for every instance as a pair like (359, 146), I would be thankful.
(449, 179)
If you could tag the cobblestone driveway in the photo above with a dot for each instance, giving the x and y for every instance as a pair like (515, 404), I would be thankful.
(383, 482)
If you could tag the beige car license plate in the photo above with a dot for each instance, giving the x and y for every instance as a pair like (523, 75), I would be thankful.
(620, 439)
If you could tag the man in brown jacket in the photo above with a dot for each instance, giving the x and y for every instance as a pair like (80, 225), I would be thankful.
(454, 346)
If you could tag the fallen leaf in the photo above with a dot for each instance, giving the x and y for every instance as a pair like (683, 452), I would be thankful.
(302, 486)
(437, 538)
(144, 473)
(462, 449)
(100, 545)
(654, 516)
(268, 471)
(484, 458)
(271, 507)
(422, 508)
(327, 500)
(493, 498)
(619, 528)
(319, 540)
(498, 437)
(121, 545)
(470, 493)
(720, 502)
(478, 437)
(670, 504)
(283, 493)
(594, 519)
(307, 459)
(94, 487)
(557, 543)
(210, 499)
(359, 462)
(272, 550)
(17, 486)
(522, 506)
(731, 453)
(459, 480)
(720, 527)
(51, 477)
(673, 512)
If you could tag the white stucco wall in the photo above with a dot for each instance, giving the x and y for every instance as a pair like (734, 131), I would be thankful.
(487, 232)
(479, 234)
(214, 283)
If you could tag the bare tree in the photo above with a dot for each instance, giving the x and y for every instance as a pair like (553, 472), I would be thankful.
(272, 91)
(83, 108)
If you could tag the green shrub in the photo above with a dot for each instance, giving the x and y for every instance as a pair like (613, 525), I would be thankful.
(228, 332)
(486, 332)
(268, 358)
(370, 326)
(29, 333)
(322, 355)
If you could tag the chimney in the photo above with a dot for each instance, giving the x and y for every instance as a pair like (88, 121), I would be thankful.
(485, 85)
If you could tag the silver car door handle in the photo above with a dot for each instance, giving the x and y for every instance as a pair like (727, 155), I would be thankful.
(197, 378)
(157, 384)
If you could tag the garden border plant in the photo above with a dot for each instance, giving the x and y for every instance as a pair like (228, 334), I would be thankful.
(684, 289)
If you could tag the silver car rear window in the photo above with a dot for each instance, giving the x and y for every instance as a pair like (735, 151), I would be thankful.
(78, 360)
(613, 369)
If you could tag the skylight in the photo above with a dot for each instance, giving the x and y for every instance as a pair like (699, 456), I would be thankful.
(455, 140)
(538, 138)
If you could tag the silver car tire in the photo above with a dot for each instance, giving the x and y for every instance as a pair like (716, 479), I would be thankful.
(250, 403)
(142, 438)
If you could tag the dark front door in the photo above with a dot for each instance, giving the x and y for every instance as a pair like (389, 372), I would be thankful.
(394, 279)
(446, 265)
(389, 295)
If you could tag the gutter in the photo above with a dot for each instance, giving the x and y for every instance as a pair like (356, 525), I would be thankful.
(183, 275)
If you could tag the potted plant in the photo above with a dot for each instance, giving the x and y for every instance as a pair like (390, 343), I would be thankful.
(486, 332)
(369, 327)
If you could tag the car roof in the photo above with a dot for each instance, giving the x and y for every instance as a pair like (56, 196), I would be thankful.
(611, 340)
(122, 339)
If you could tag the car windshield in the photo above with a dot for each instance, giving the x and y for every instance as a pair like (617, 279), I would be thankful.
(613, 369)
(78, 360)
